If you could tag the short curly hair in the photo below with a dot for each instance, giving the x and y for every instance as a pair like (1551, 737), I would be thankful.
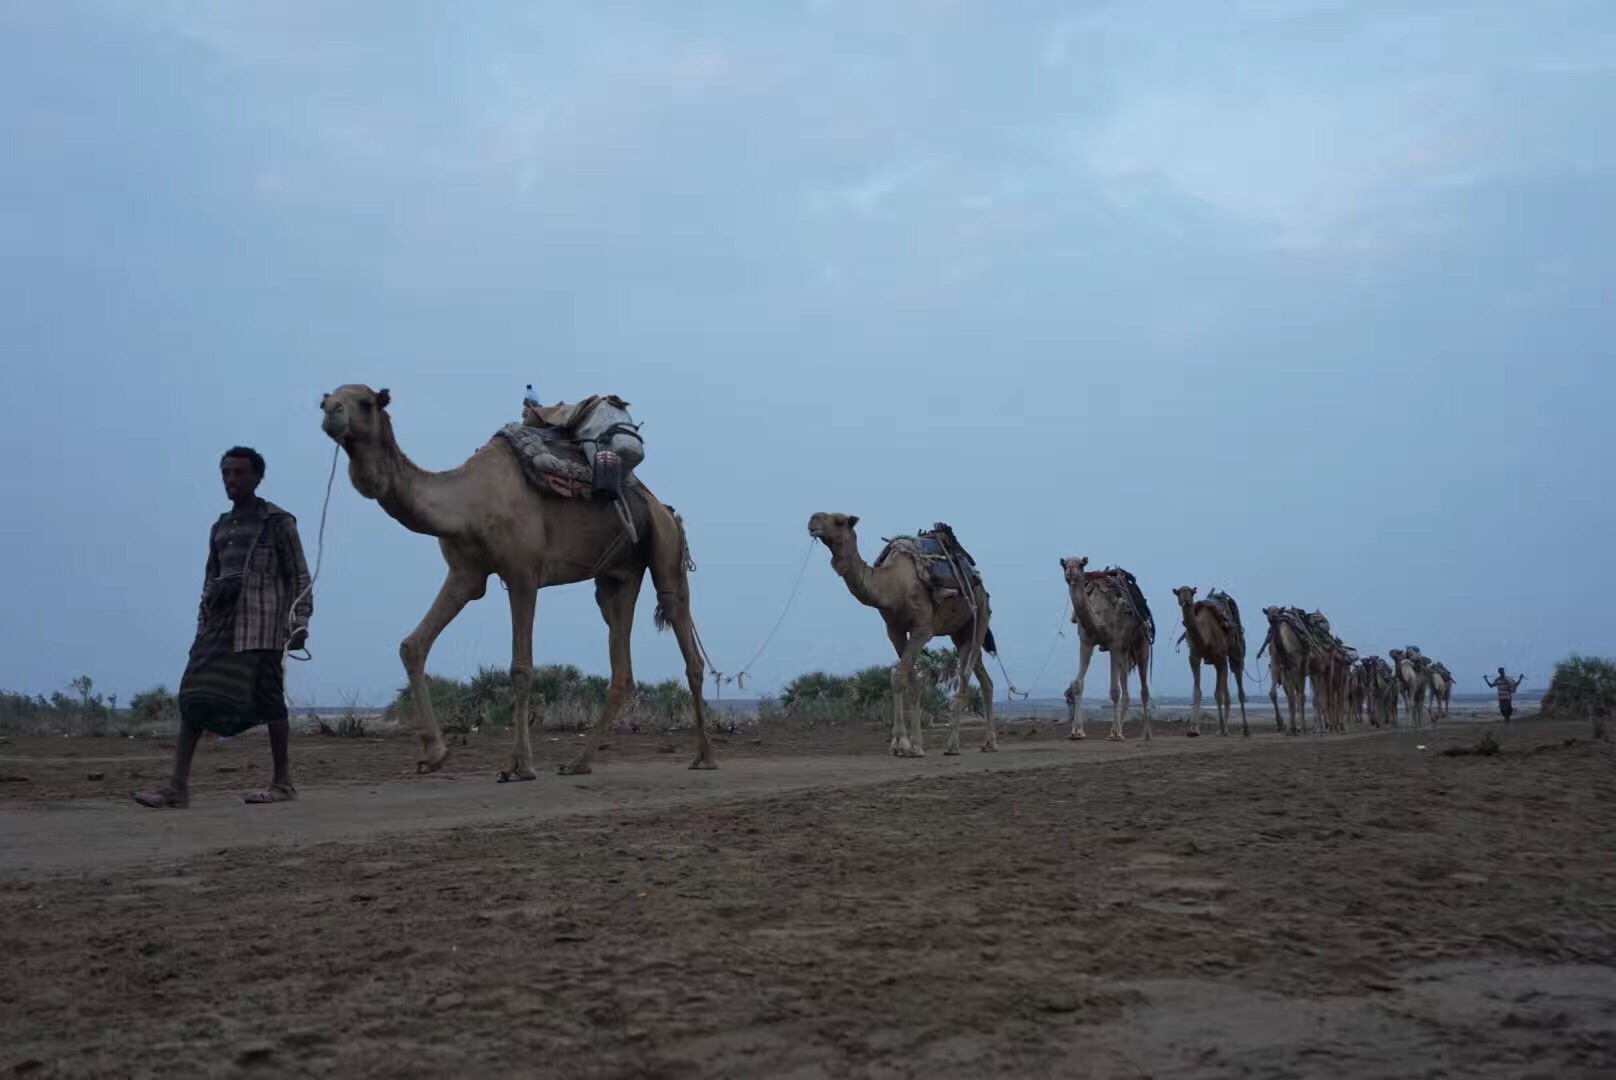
(250, 454)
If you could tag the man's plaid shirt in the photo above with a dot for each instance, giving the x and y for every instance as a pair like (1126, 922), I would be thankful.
(275, 574)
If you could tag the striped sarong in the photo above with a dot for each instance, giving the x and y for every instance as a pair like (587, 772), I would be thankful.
(225, 691)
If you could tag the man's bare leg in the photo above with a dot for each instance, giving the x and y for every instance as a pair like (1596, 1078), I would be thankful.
(178, 792)
(280, 787)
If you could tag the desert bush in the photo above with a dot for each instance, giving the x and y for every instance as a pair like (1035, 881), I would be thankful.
(153, 710)
(84, 712)
(1583, 688)
(865, 697)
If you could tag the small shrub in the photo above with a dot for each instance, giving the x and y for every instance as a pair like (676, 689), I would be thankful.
(1583, 688)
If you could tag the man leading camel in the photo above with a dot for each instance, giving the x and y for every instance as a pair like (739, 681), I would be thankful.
(256, 602)
(1506, 688)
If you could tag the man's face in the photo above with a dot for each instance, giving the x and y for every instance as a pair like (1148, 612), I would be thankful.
(239, 479)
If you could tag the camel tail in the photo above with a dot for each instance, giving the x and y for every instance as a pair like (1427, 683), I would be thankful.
(988, 644)
(670, 574)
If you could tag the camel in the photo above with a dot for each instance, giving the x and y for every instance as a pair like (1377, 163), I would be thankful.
(489, 519)
(1212, 643)
(1356, 683)
(1287, 667)
(1414, 679)
(898, 589)
(1106, 619)
(1328, 663)
(1441, 688)
(1380, 692)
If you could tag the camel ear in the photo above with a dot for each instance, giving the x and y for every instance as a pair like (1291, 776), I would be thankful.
(852, 521)
(384, 398)
(323, 399)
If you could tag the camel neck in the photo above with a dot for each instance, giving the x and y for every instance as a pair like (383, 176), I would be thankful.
(859, 575)
(419, 500)
(1082, 613)
(1192, 629)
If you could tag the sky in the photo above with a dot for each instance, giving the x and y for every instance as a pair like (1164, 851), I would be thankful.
(1305, 300)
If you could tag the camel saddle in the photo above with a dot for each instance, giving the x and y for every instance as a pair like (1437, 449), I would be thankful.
(1301, 626)
(1125, 585)
(566, 417)
(1376, 666)
(558, 466)
(940, 558)
(1222, 605)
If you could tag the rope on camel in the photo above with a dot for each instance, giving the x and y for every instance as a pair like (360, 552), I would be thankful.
(319, 558)
(739, 678)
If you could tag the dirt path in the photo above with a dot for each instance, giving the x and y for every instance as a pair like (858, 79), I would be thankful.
(1281, 908)
(103, 833)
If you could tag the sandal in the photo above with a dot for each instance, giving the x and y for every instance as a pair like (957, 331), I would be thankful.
(163, 798)
(273, 794)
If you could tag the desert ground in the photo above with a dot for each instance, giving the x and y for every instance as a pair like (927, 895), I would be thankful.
(1361, 905)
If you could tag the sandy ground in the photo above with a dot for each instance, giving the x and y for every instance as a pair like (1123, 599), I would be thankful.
(1323, 907)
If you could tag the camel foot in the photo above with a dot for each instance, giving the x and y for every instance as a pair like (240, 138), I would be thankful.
(514, 775)
(990, 748)
(576, 767)
(1076, 736)
(954, 752)
(911, 752)
(433, 757)
(704, 763)
(1192, 734)
(1114, 737)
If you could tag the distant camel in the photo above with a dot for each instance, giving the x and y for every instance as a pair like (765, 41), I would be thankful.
(1214, 635)
(1107, 618)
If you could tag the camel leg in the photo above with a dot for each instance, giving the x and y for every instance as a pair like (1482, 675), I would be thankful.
(1119, 697)
(1195, 695)
(1220, 693)
(990, 742)
(966, 658)
(616, 598)
(1085, 653)
(684, 631)
(524, 598)
(1144, 693)
(1238, 670)
(460, 588)
(1273, 694)
(911, 742)
(900, 641)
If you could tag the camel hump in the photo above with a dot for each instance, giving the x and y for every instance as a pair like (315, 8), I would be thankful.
(1126, 586)
(939, 558)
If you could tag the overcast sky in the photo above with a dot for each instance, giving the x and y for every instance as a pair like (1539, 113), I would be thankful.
(1305, 300)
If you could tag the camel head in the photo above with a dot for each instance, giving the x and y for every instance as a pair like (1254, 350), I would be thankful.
(833, 530)
(1273, 612)
(355, 415)
(1072, 567)
(356, 419)
(1186, 596)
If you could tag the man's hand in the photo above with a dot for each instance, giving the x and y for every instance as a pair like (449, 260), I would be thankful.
(299, 640)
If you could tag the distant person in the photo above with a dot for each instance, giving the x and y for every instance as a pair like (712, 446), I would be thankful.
(256, 603)
(1506, 688)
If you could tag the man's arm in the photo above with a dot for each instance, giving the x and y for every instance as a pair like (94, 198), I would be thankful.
(298, 571)
(1490, 684)
(208, 574)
